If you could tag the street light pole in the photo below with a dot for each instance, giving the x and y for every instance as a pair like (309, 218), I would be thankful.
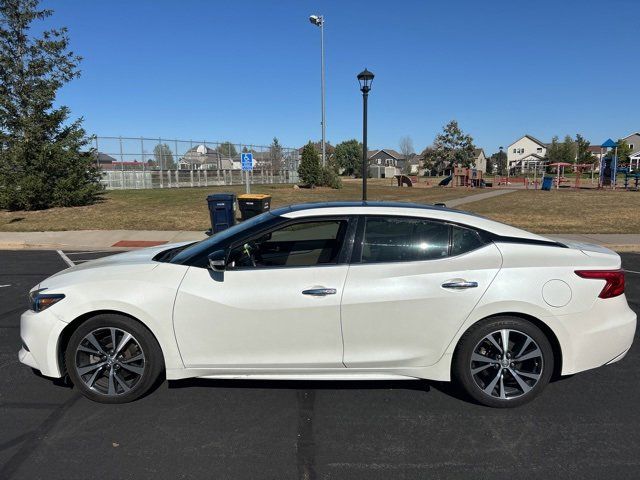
(365, 174)
(507, 165)
(365, 78)
(318, 20)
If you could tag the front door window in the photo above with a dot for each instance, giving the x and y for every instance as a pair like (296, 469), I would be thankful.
(300, 244)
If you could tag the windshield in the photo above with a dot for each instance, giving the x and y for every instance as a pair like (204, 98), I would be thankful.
(220, 238)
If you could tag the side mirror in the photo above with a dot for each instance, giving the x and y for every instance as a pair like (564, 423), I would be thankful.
(218, 260)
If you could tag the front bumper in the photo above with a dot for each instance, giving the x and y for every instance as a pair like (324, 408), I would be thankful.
(599, 336)
(40, 333)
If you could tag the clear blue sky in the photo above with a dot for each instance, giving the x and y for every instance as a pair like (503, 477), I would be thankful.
(247, 71)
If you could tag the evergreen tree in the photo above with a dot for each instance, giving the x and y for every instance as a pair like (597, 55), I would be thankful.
(498, 163)
(164, 157)
(44, 159)
(568, 150)
(227, 150)
(310, 168)
(554, 151)
(276, 158)
(583, 155)
(349, 156)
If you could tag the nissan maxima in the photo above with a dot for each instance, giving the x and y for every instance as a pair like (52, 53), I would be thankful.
(336, 291)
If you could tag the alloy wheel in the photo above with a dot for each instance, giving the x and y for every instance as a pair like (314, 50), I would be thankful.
(506, 364)
(110, 361)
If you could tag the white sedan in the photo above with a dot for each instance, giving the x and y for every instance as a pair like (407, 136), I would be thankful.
(336, 291)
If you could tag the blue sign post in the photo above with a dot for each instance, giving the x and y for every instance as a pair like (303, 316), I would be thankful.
(246, 160)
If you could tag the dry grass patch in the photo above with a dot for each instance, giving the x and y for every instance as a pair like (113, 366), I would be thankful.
(186, 208)
(565, 211)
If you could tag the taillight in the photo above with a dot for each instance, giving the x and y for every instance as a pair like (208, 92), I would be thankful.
(614, 279)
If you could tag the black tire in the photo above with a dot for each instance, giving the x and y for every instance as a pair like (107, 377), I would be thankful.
(147, 369)
(500, 376)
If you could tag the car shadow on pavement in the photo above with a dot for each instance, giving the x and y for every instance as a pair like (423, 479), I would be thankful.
(418, 385)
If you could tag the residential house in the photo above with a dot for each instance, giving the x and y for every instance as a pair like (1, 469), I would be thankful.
(329, 149)
(415, 165)
(633, 140)
(385, 163)
(526, 153)
(597, 151)
(105, 161)
(386, 158)
(202, 157)
(480, 160)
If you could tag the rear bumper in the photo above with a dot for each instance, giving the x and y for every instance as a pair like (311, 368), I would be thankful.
(599, 336)
(40, 333)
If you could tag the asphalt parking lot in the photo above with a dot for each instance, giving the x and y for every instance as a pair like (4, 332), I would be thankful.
(585, 426)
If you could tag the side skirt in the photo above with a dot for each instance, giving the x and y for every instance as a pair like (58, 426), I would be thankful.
(441, 371)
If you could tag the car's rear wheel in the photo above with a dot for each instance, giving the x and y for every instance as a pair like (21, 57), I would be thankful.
(503, 362)
(113, 359)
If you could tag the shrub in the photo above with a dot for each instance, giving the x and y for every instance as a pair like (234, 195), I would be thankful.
(330, 178)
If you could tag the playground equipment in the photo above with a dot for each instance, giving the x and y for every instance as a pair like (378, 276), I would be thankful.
(608, 166)
(630, 175)
(404, 180)
(467, 177)
(445, 181)
(580, 169)
(559, 167)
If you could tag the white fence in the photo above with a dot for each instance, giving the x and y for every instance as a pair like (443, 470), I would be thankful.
(137, 179)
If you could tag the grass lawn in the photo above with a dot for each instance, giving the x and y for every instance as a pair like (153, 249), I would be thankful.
(186, 208)
(565, 210)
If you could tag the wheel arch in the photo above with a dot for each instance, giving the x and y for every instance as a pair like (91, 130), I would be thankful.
(72, 326)
(548, 332)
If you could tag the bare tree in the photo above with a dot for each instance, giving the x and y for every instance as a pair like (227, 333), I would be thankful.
(407, 151)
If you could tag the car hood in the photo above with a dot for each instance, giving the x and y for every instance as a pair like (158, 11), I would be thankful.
(142, 258)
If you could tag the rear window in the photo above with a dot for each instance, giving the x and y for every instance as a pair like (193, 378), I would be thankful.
(464, 240)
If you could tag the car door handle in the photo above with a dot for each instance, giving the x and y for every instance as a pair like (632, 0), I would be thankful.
(319, 292)
(459, 285)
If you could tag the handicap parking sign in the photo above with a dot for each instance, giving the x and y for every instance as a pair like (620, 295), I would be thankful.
(246, 159)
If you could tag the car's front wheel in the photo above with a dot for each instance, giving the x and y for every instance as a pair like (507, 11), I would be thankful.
(503, 361)
(113, 359)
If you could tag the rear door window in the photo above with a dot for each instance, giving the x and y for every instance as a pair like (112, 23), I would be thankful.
(398, 239)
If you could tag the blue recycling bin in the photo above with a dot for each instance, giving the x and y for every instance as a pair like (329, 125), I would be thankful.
(547, 183)
(222, 209)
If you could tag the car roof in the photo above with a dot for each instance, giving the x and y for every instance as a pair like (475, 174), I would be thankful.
(404, 209)
(313, 205)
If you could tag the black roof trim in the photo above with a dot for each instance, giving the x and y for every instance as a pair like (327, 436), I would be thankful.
(527, 241)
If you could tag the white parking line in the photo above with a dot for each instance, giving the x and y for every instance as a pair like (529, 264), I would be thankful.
(65, 258)
(91, 251)
(2, 286)
(632, 271)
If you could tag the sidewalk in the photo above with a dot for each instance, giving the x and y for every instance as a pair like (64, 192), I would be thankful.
(476, 198)
(127, 239)
(94, 239)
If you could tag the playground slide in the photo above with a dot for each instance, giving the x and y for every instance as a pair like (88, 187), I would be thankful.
(445, 181)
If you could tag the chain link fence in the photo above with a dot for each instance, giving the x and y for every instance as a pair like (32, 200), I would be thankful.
(131, 163)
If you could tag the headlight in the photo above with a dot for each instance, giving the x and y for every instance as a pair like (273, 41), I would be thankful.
(39, 301)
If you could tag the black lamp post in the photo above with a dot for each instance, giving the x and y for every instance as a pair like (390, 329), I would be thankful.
(365, 78)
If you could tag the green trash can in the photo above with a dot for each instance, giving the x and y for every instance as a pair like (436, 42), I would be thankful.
(252, 204)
